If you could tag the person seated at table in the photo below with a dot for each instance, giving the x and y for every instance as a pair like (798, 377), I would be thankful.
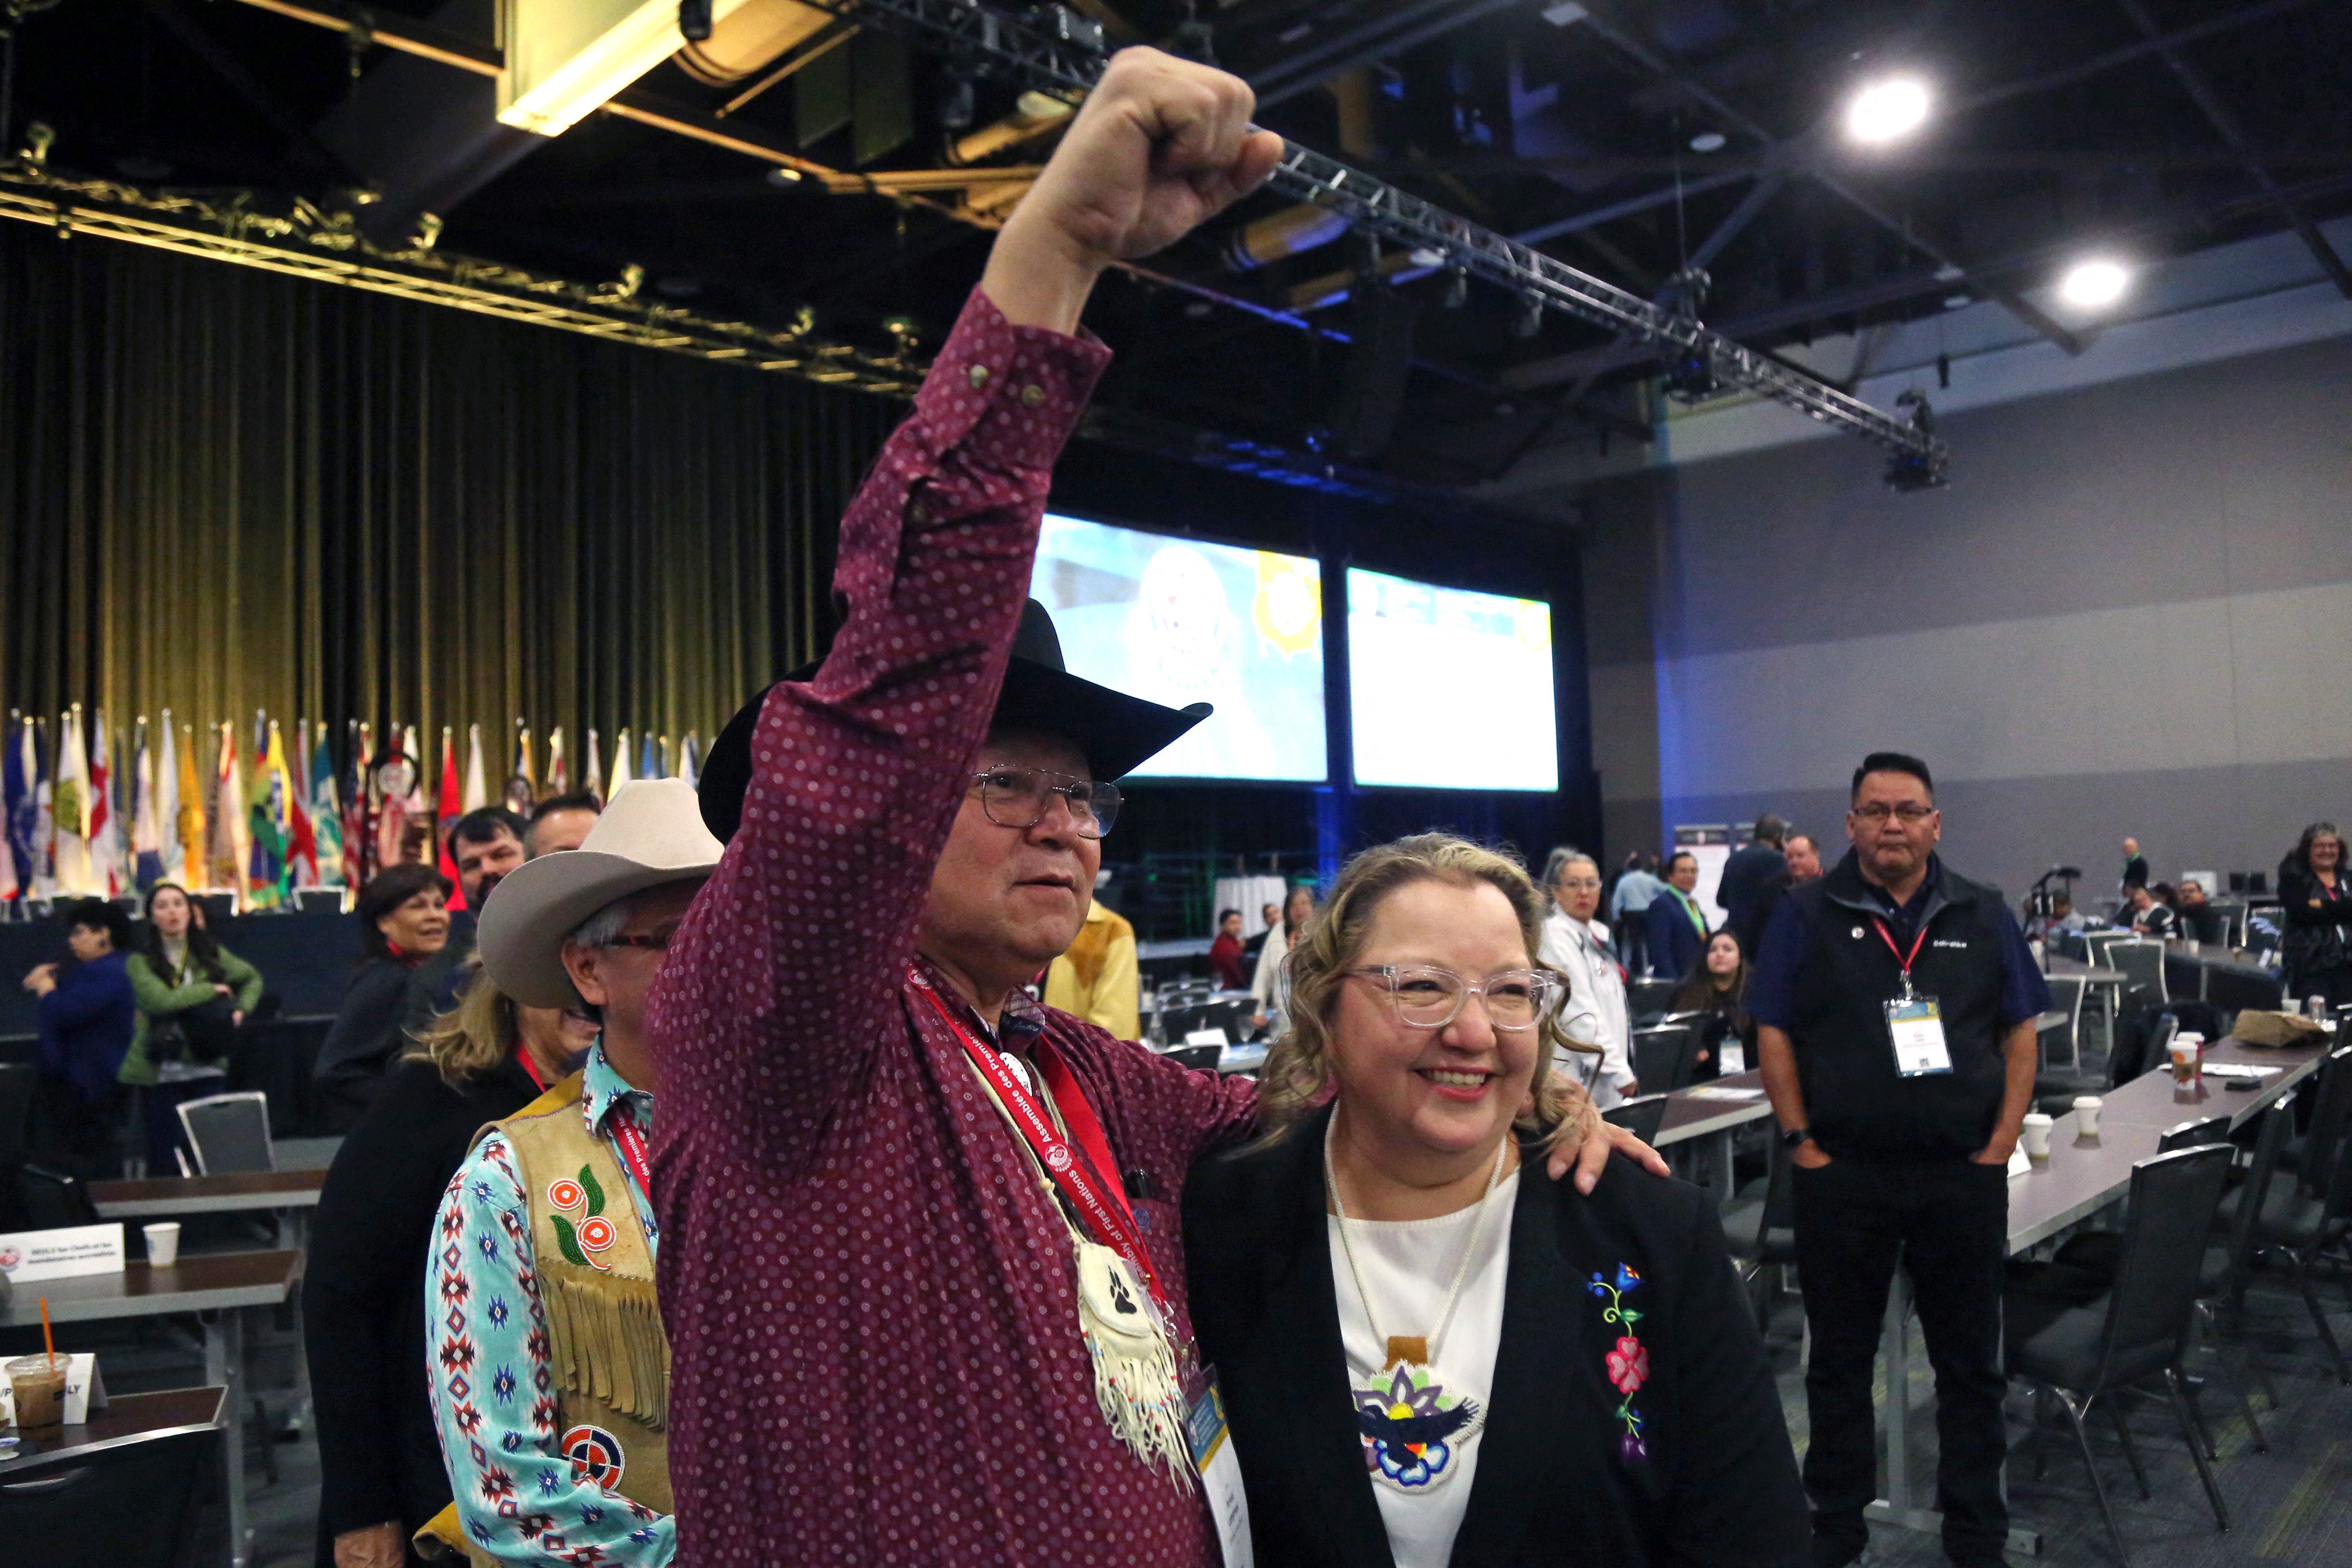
(1716, 987)
(87, 1017)
(380, 1473)
(548, 1239)
(1425, 1358)
(2143, 913)
(1225, 953)
(2316, 901)
(404, 937)
(1270, 984)
(194, 995)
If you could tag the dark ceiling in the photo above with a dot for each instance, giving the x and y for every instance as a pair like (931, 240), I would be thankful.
(2157, 126)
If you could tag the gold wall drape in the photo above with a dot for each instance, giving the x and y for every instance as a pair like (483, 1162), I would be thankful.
(223, 489)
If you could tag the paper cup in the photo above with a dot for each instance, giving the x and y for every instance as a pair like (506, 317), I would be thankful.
(2036, 1136)
(162, 1243)
(2086, 1115)
(2292, 1007)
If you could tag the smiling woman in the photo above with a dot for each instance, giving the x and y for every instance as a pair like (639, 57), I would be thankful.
(1416, 1343)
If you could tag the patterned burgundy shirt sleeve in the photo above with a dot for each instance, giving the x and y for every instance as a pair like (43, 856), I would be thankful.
(785, 975)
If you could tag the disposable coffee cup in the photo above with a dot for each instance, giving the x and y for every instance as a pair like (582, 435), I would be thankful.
(164, 1243)
(2316, 1007)
(2037, 1136)
(2086, 1115)
(2291, 1005)
(39, 1385)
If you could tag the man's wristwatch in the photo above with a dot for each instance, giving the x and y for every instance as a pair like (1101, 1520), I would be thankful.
(1795, 1136)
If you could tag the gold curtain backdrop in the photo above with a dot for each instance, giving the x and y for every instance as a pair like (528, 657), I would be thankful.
(223, 489)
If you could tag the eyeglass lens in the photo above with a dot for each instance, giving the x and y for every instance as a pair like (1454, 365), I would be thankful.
(1879, 811)
(1021, 798)
(1434, 997)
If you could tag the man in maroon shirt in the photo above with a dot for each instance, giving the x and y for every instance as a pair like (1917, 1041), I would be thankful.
(1225, 953)
(868, 1283)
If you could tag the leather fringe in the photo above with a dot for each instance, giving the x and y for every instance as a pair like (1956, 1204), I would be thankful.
(613, 1329)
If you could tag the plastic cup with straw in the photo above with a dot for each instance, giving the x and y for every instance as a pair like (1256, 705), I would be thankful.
(39, 1382)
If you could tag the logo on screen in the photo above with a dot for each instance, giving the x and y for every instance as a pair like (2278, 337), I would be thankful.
(1187, 607)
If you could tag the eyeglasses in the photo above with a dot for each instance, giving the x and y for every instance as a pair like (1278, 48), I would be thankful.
(1429, 998)
(1020, 797)
(651, 941)
(1910, 811)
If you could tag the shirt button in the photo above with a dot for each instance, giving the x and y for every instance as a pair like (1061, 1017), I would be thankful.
(978, 375)
(1032, 396)
(919, 512)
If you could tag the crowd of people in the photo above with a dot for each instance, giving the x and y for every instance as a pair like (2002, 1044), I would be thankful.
(716, 1190)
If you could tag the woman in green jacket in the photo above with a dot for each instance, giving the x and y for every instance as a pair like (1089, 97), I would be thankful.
(193, 994)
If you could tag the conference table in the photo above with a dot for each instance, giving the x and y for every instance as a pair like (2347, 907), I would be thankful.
(1715, 1110)
(290, 1194)
(126, 1416)
(215, 1288)
(2079, 1177)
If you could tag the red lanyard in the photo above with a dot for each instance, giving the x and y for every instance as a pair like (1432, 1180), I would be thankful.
(1103, 1206)
(538, 1078)
(631, 1141)
(1899, 957)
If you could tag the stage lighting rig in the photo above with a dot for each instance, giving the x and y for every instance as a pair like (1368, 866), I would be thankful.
(1924, 470)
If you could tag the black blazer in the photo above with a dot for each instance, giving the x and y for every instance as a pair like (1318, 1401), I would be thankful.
(1718, 1484)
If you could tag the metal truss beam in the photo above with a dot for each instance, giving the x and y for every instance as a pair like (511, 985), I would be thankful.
(1070, 62)
(329, 248)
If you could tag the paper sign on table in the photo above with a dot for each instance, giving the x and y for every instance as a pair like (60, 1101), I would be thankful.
(29, 1256)
(1207, 1037)
(2021, 1163)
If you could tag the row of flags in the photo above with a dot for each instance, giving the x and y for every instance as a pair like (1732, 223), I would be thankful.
(92, 811)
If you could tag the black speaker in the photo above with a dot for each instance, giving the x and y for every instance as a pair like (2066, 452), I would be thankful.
(1371, 395)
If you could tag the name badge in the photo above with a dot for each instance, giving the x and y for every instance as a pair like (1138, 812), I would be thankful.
(1220, 1469)
(1917, 1029)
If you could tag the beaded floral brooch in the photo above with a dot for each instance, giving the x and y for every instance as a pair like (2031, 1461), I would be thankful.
(1628, 1360)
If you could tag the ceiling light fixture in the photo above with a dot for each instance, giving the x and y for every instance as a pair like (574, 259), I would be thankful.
(2095, 284)
(1707, 141)
(1886, 109)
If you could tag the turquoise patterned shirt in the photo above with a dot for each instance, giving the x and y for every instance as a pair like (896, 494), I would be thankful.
(519, 1498)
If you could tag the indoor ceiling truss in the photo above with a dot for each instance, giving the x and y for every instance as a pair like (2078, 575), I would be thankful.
(1070, 62)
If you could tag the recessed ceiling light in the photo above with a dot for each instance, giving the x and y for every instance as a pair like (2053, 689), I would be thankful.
(1886, 109)
(1707, 141)
(2092, 284)
(1954, 302)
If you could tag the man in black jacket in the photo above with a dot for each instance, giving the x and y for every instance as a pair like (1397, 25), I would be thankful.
(1896, 1005)
(1749, 870)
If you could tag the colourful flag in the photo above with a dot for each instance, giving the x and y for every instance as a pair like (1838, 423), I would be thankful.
(649, 764)
(689, 759)
(592, 780)
(302, 839)
(231, 849)
(167, 806)
(270, 852)
(522, 784)
(17, 771)
(105, 825)
(44, 826)
(358, 849)
(146, 839)
(559, 779)
(195, 839)
(69, 814)
(478, 790)
(326, 813)
(449, 812)
(620, 764)
(418, 806)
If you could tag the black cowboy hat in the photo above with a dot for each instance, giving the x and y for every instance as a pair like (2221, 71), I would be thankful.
(1117, 732)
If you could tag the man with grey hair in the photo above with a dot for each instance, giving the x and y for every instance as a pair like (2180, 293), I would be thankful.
(1751, 868)
(1577, 944)
(550, 1379)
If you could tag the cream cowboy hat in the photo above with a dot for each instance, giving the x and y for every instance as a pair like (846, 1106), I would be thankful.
(651, 832)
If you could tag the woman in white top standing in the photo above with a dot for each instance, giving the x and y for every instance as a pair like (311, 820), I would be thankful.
(1271, 983)
(1577, 944)
(1426, 1358)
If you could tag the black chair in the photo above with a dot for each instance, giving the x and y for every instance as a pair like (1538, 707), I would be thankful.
(2194, 1134)
(1639, 1116)
(54, 1199)
(2102, 1351)
(229, 1132)
(1649, 996)
(2133, 1052)
(1761, 1230)
(16, 1085)
(2299, 1222)
(130, 1503)
(1665, 1055)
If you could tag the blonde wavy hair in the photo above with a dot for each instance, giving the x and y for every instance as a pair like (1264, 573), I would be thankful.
(1300, 1074)
(473, 1037)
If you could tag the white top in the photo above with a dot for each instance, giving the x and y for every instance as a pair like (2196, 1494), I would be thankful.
(1595, 1011)
(1407, 1265)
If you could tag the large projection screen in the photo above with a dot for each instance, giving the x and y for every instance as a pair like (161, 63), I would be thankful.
(1449, 689)
(1180, 621)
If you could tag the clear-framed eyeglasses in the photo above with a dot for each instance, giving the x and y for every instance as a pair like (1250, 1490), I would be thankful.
(1909, 813)
(1020, 797)
(1431, 999)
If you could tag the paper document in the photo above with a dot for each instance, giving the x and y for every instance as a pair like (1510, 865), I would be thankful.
(1726, 1091)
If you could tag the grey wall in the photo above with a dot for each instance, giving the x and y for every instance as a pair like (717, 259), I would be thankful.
(2131, 612)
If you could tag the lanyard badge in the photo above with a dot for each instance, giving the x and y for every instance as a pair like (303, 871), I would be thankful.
(1915, 1024)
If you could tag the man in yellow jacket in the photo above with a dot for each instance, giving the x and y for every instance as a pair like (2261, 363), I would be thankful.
(1096, 978)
